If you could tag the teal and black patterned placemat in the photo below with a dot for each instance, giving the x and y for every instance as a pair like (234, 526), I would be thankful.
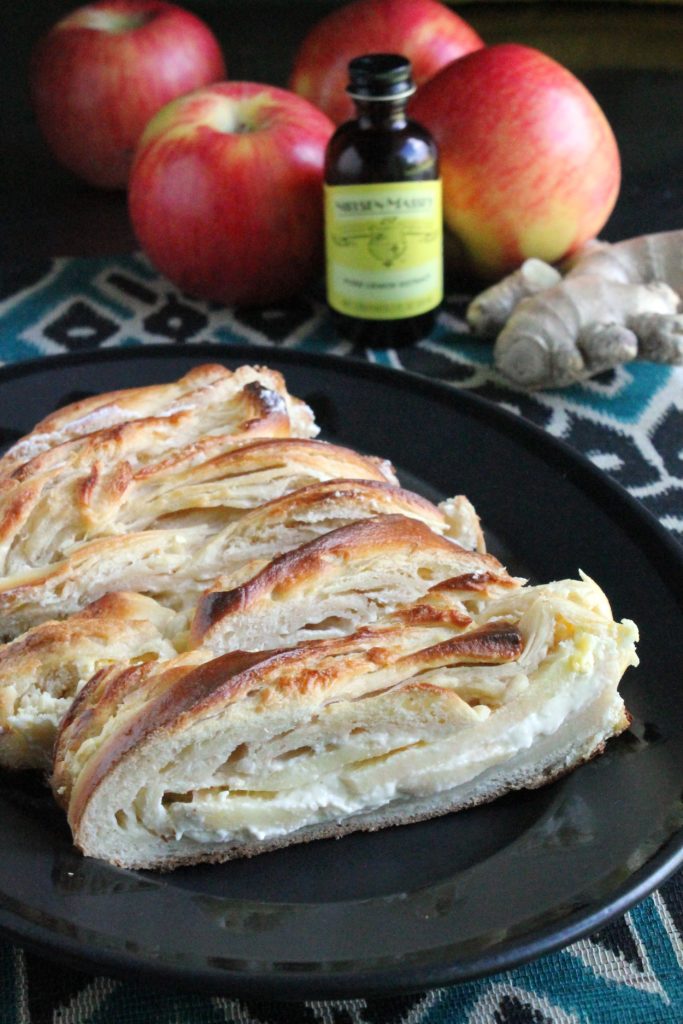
(629, 422)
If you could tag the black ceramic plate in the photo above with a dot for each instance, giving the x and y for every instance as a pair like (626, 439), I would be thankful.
(425, 904)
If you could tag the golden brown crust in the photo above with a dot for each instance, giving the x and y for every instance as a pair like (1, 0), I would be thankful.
(267, 452)
(130, 398)
(472, 581)
(104, 613)
(249, 419)
(307, 459)
(18, 507)
(492, 644)
(430, 615)
(97, 700)
(176, 690)
(381, 492)
(294, 569)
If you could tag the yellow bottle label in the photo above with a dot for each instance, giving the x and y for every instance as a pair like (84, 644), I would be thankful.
(384, 249)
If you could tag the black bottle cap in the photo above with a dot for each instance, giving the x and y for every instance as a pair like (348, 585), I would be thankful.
(380, 76)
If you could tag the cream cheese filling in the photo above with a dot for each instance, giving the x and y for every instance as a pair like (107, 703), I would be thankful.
(567, 685)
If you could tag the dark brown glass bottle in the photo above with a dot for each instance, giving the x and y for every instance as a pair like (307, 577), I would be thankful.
(383, 228)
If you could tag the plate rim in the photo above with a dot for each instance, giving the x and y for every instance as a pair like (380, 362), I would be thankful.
(663, 551)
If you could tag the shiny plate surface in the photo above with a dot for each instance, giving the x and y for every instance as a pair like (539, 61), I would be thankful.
(421, 905)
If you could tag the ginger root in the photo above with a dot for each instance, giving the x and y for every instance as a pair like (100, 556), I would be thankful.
(606, 305)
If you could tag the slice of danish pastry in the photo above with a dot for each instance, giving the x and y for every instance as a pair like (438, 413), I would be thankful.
(159, 561)
(205, 760)
(155, 563)
(252, 412)
(103, 491)
(41, 672)
(334, 584)
(176, 565)
(285, 523)
(68, 496)
(210, 399)
(242, 479)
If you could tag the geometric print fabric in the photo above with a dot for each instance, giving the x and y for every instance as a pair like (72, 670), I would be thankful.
(630, 973)
(629, 422)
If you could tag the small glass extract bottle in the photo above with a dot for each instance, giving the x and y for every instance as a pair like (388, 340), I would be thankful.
(383, 230)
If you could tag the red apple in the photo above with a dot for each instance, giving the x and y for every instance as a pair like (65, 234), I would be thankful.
(529, 162)
(100, 74)
(425, 31)
(226, 192)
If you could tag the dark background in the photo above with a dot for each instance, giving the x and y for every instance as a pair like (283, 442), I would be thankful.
(629, 55)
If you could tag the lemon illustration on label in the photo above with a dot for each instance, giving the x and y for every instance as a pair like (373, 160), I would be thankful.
(388, 241)
(383, 248)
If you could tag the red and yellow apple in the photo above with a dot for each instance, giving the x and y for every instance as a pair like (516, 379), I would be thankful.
(529, 162)
(101, 72)
(425, 31)
(225, 192)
